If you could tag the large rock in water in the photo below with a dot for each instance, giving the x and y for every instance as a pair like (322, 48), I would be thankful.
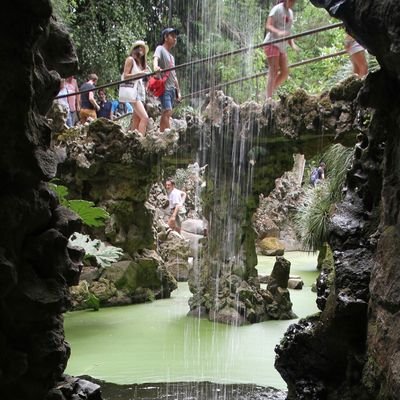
(194, 231)
(271, 246)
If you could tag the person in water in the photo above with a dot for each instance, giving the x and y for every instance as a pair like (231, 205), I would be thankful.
(278, 25)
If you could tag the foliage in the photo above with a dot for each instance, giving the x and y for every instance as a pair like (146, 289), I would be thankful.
(314, 77)
(92, 302)
(227, 25)
(63, 10)
(103, 33)
(313, 215)
(338, 159)
(104, 255)
(90, 215)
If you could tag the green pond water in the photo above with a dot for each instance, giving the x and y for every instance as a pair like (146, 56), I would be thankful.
(157, 342)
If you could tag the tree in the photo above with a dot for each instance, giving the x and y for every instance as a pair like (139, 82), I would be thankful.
(103, 32)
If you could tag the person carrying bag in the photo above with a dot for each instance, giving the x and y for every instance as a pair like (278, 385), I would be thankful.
(162, 60)
(134, 92)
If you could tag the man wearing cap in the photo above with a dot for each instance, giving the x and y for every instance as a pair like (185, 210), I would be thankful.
(163, 59)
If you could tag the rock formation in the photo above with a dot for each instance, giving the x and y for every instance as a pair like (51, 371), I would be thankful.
(248, 148)
(352, 349)
(36, 264)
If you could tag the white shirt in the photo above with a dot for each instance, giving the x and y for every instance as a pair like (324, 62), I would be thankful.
(282, 19)
(175, 198)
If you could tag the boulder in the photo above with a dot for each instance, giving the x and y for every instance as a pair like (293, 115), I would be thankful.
(295, 283)
(271, 246)
(192, 225)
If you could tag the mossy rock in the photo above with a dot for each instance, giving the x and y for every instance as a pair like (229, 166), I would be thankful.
(271, 246)
(325, 258)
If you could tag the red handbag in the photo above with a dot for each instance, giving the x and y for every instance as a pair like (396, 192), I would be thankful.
(156, 86)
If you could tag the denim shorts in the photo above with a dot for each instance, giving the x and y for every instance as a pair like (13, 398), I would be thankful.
(167, 99)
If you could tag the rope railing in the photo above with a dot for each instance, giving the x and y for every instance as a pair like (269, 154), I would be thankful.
(260, 74)
(208, 59)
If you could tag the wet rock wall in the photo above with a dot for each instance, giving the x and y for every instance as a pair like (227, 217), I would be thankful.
(36, 264)
(351, 350)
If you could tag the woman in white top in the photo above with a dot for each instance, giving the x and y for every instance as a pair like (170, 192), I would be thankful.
(134, 92)
(278, 25)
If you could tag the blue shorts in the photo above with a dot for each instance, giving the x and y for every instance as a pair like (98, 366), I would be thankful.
(167, 99)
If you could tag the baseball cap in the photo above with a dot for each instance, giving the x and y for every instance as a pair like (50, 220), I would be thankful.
(167, 31)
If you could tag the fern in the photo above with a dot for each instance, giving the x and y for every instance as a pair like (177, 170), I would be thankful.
(105, 255)
(91, 216)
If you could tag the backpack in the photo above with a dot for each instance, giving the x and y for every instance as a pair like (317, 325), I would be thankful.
(314, 176)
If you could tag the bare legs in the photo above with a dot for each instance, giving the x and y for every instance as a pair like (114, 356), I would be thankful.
(164, 121)
(278, 72)
(140, 118)
(360, 66)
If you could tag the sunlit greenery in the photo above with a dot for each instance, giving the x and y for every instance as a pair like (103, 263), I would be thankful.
(91, 216)
(104, 31)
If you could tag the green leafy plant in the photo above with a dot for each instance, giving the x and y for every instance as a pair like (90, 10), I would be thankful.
(90, 215)
(312, 217)
(105, 255)
(92, 302)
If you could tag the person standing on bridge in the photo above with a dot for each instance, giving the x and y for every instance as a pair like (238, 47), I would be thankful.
(278, 25)
(89, 104)
(163, 59)
(134, 92)
(357, 56)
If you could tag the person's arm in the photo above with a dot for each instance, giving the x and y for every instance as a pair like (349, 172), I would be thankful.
(175, 212)
(183, 196)
(172, 218)
(271, 27)
(77, 98)
(128, 69)
(178, 90)
(156, 61)
(348, 41)
(93, 101)
(293, 45)
(78, 102)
